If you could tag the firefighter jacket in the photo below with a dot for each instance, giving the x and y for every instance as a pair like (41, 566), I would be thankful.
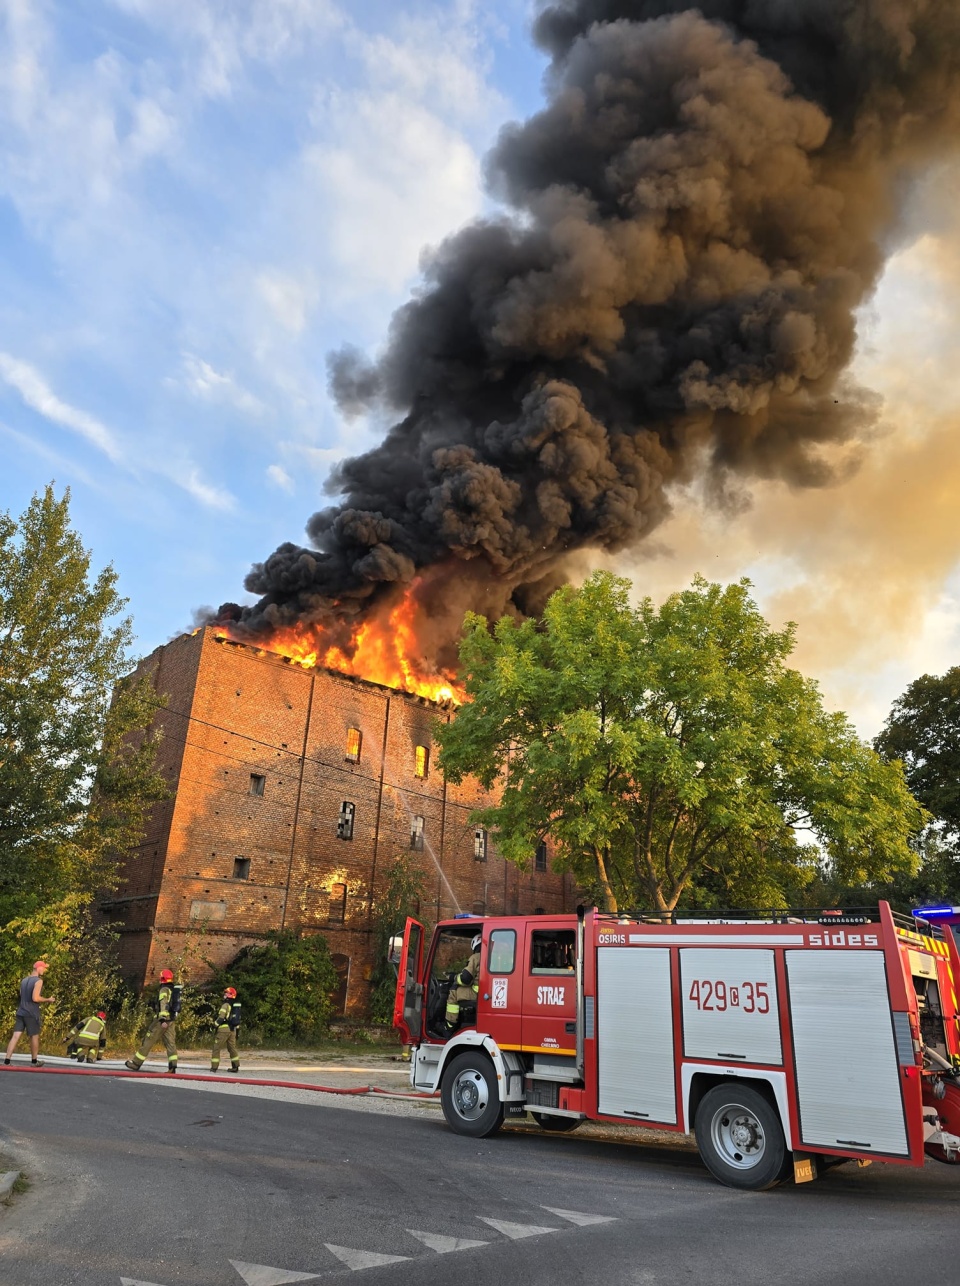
(91, 1032)
(470, 976)
(168, 1002)
(229, 1015)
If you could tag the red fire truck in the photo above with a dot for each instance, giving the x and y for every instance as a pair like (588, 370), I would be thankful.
(787, 1044)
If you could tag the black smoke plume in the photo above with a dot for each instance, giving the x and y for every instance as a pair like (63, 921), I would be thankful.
(695, 216)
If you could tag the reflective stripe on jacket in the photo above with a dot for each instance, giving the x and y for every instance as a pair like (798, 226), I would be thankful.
(93, 1029)
(229, 1015)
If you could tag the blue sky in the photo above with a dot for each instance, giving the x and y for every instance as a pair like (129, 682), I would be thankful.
(199, 200)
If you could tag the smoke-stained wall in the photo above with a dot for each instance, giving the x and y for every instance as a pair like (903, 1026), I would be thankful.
(259, 755)
(691, 222)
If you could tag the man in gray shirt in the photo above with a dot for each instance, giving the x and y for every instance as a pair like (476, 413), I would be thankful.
(28, 1013)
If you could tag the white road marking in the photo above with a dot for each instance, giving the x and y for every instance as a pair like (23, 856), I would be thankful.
(444, 1245)
(579, 1219)
(262, 1275)
(516, 1230)
(356, 1259)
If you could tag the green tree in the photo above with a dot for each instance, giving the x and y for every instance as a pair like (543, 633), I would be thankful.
(77, 769)
(285, 985)
(923, 733)
(400, 897)
(660, 748)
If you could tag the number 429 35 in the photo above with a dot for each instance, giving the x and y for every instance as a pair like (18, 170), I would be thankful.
(751, 997)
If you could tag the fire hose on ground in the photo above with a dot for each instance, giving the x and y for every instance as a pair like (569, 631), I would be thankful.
(356, 1091)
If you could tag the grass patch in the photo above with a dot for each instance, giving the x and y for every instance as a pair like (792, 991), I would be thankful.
(20, 1185)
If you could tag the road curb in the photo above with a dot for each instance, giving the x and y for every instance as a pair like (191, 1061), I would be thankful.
(6, 1183)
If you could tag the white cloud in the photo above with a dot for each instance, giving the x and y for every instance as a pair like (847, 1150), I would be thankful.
(70, 135)
(398, 178)
(392, 165)
(290, 299)
(38, 395)
(280, 478)
(220, 40)
(211, 496)
(62, 465)
(439, 59)
(203, 381)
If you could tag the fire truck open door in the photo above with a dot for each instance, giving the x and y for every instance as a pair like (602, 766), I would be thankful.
(408, 1006)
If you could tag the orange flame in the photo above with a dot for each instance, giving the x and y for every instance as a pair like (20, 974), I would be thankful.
(380, 651)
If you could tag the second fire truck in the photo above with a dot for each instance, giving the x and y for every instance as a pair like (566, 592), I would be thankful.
(787, 1044)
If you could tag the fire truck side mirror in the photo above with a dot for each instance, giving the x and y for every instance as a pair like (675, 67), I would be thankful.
(395, 949)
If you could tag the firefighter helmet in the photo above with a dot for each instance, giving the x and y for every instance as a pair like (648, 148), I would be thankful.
(166, 975)
(101, 1014)
(230, 993)
(475, 944)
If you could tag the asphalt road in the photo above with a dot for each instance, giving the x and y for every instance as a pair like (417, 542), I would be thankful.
(156, 1182)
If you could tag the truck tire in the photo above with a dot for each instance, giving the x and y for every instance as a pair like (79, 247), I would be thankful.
(469, 1095)
(740, 1138)
(558, 1124)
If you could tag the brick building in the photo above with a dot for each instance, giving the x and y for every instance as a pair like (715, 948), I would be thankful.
(293, 790)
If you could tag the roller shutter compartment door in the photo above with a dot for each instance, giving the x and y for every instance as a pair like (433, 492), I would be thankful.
(730, 1006)
(848, 1077)
(635, 1034)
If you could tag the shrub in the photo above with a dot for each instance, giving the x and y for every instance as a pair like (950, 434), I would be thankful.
(286, 985)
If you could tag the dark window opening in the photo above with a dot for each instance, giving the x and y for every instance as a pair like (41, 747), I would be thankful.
(416, 833)
(354, 741)
(338, 903)
(479, 908)
(540, 861)
(241, 868)
(257, 783)
(345, 820)
(341, 964)
(480, 845)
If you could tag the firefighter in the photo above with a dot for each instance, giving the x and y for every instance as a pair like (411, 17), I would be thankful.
(163, 1027)
(228, 1024)
(88, 1039)
(465, 987)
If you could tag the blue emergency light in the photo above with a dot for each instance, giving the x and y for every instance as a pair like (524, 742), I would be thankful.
(935, 912)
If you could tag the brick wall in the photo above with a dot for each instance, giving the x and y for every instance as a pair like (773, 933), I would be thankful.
(256, 751)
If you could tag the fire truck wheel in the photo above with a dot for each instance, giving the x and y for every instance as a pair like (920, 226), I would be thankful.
(558, 1124)
(469, 1096)
(740, 1138)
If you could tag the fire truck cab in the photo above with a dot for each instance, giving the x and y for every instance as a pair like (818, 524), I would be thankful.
(787, 1044)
